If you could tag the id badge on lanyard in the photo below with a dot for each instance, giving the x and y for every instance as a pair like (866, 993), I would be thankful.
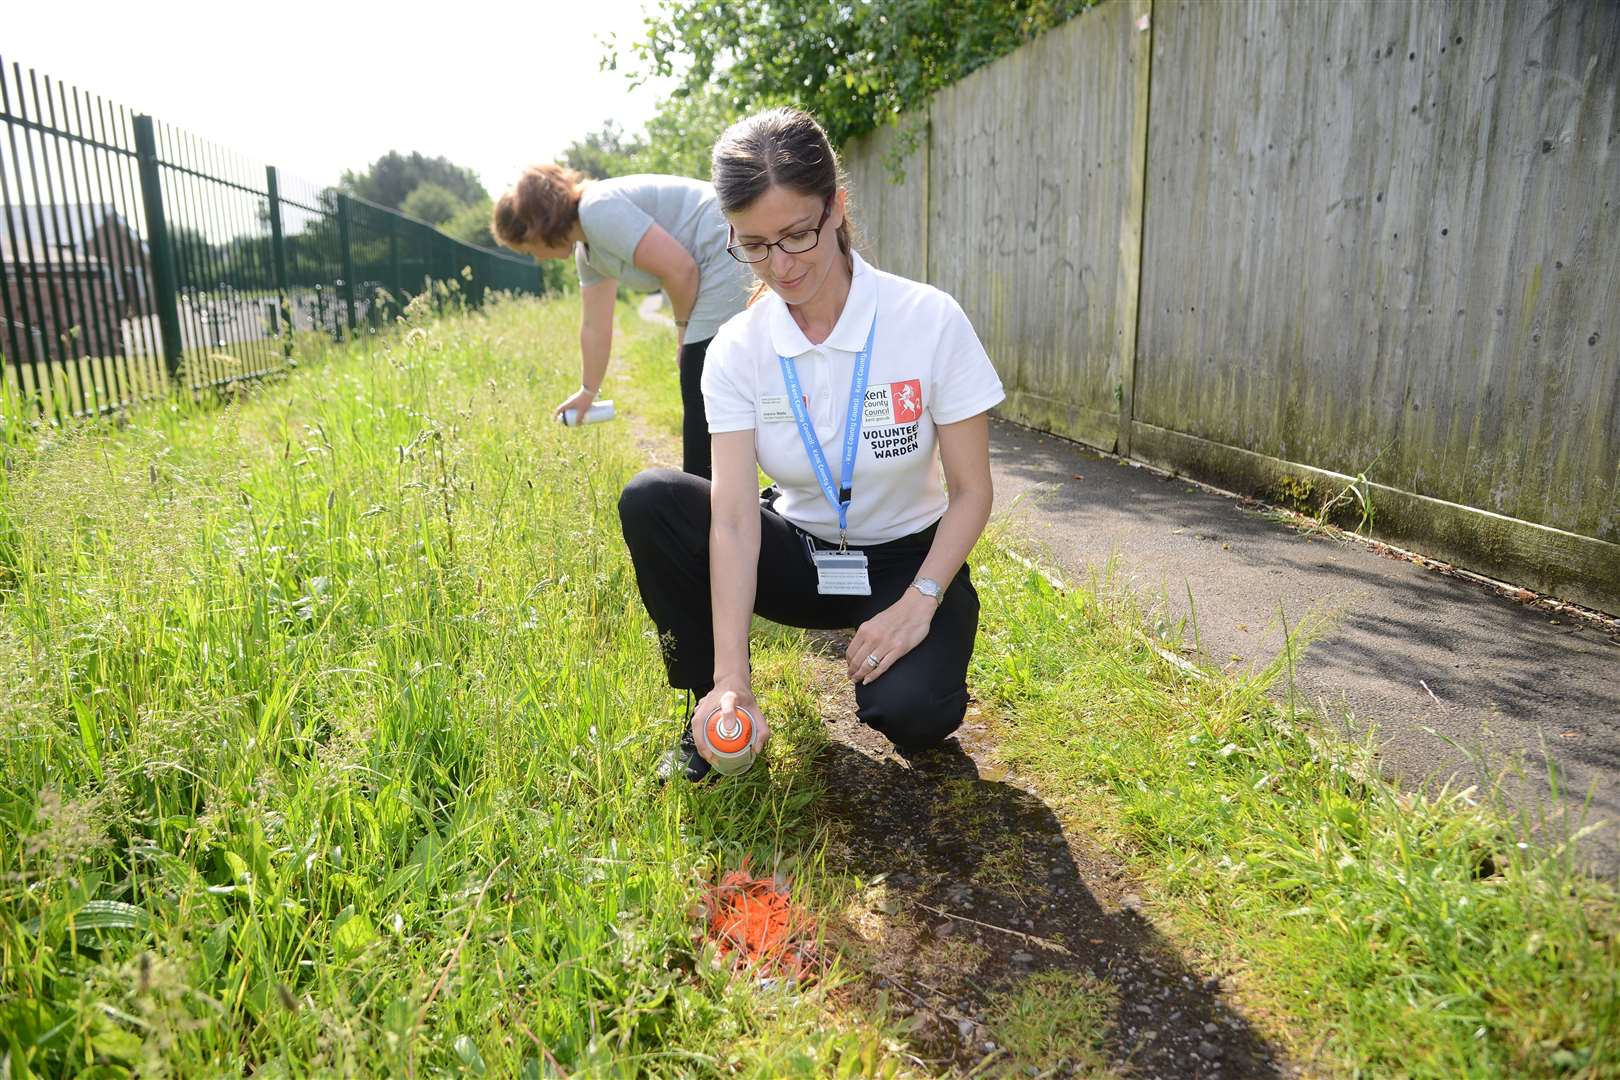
(842, 572)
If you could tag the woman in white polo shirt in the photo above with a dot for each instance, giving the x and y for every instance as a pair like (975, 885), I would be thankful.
(842, 383)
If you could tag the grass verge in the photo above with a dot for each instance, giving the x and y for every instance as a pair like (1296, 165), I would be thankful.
(330, 717)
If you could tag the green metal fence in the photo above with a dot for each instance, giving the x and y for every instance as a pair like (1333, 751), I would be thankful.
(140, 260)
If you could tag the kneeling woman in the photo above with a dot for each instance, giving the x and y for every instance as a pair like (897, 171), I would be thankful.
(840, 383)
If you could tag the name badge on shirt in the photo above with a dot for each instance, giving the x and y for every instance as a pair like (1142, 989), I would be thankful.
(841, 573)
(774, 409)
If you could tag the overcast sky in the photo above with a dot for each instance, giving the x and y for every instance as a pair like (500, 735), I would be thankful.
(317, 88)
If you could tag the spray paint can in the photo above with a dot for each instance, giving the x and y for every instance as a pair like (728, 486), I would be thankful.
(731, 742)
(599, 411)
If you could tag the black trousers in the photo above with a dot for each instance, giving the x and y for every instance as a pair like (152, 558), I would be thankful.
(916, 703)
(694, 424)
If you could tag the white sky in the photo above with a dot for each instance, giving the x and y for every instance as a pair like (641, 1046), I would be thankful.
(316, 88)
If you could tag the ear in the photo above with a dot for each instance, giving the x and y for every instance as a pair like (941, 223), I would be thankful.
(841, 205)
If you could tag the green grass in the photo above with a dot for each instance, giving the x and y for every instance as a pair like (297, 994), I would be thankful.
(1054, 1020)
(329, 714)
(59, 391)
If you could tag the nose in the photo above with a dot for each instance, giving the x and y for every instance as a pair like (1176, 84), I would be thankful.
(782, 264)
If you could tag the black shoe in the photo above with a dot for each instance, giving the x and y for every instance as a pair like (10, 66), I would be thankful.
(683, 759)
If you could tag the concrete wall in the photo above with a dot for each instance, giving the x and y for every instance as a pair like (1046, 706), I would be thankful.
(1377, 237)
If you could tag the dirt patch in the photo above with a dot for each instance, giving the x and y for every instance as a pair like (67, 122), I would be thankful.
(978, 891)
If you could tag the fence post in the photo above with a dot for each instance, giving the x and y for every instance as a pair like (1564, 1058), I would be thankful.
(928, 188)
(165, 279)
(278, 259)
(1128, 313)
(396, 276)
(346, 284)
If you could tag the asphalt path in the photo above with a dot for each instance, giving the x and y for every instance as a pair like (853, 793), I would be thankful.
(1461, 681)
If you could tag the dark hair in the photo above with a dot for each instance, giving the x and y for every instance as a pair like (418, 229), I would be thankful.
(780, 147)
(543, 204)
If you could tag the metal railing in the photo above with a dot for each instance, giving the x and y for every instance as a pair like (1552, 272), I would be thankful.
(139, 260)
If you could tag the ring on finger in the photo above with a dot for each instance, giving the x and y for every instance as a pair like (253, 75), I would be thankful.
(873, 660)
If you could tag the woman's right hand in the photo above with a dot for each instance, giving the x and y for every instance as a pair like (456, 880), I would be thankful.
(581, 401)
(726, 696)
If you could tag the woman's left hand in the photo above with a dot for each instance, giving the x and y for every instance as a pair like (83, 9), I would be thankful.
(889, 635)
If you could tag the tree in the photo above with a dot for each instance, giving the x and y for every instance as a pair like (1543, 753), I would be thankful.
(853, 65)
(681, 136)
(678, 140)
(312, 241)
(604, 153)
(193, 256)
(432, 203)
(392, 177)
(470, 224)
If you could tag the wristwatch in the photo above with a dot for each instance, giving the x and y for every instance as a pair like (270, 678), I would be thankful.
(930, 588)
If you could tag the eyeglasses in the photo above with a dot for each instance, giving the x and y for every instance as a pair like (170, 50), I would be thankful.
(796, 243)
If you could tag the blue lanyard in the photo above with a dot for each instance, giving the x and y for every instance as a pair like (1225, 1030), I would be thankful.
(841, 496)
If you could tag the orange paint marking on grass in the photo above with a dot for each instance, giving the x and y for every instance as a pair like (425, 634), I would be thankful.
(754, 924)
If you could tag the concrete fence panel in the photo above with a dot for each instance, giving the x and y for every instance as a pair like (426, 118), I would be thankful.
(888, 180)
(1385, 238)
(1308, 241)
(1029, 180)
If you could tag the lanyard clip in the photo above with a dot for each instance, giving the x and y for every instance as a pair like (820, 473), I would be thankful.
(843, 543)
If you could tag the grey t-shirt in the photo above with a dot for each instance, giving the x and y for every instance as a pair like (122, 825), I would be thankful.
(615, 214)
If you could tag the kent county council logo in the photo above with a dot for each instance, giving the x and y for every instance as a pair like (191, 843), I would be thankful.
(907, 398)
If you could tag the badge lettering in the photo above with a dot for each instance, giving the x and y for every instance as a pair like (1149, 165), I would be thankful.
(773, 409)
(841, 573)
(879, 409)
(894, 441)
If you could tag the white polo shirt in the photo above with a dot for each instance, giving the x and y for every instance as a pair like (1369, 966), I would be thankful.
(927, 368)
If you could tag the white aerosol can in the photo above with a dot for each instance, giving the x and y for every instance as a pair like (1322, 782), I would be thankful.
(599, 411)
(731, 740)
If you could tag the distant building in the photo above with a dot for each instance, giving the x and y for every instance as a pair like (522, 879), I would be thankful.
(73, 272)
